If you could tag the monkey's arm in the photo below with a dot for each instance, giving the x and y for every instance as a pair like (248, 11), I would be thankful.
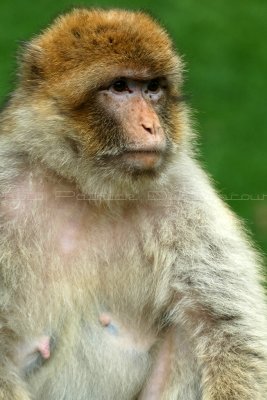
(220, 303)
(225, 325)
(11, 386)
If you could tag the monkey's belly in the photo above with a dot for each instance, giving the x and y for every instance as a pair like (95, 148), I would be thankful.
(108, 361)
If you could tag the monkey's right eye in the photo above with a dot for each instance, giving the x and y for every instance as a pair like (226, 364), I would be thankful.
(120, 86)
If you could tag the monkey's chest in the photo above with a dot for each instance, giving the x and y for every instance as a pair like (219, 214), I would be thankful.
(103, 294)
(108, 334)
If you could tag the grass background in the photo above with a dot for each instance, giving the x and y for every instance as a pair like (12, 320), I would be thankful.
(224, 44)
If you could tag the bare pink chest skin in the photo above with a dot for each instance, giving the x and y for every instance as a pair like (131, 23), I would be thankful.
(60, 213)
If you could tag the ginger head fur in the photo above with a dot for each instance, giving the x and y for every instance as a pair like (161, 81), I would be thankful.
(61, 72)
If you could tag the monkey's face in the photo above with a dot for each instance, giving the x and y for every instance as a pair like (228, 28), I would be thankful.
(114, 80)
(126, 124)
(134, 105)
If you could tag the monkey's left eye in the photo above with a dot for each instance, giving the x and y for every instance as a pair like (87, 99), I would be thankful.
(120, 86)
(153, 85)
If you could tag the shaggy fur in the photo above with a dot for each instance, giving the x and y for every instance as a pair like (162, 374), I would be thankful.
(78, 237)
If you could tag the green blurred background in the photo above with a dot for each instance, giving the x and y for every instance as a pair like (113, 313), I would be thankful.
(225, 47)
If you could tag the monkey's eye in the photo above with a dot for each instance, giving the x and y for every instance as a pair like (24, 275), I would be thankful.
(153, 85)
(120, 86)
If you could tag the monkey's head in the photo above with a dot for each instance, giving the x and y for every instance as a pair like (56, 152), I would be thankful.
(103, 92)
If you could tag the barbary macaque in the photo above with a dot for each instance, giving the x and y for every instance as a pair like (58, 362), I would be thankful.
(113, 242)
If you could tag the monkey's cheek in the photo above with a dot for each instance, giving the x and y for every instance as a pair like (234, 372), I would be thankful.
(142, 160)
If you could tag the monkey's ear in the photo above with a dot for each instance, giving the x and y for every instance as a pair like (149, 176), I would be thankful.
(31, 71)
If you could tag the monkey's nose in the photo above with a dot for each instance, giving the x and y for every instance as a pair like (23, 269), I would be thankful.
(153, 129)
(148, 128)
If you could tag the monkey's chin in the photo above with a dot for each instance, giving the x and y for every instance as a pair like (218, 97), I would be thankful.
(142, 160)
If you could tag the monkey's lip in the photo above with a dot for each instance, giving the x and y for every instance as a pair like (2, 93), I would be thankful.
(142, 159)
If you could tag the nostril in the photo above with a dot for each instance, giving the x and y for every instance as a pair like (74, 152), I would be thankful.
(146, 128)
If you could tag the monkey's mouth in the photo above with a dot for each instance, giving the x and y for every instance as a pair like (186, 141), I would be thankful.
(135, 160)
(142, 159)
